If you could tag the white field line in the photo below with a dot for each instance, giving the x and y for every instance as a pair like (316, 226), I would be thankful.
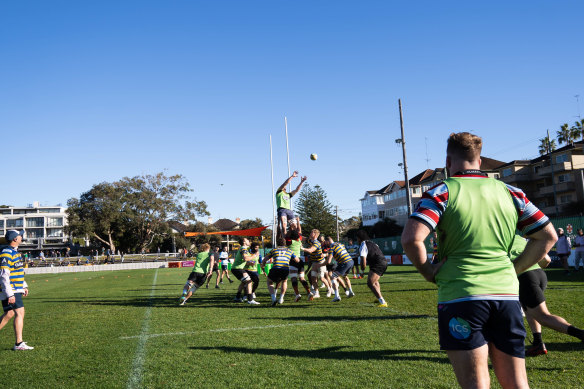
(135, 380)
(233, 329)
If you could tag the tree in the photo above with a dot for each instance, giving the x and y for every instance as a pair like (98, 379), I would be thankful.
(133, 212)
(266, 234)
(315, 211)
(351, 224)
(546, 146)
(565, 134)
(578, 129)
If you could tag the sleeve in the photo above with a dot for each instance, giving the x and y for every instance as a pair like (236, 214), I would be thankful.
(432, 206)
(363, 250)
(5, 277)
(531, 219)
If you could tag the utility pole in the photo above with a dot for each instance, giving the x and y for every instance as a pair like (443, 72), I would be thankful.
(403, 143)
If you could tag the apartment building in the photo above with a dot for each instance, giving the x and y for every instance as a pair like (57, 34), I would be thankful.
(44, 226)
(552, 187)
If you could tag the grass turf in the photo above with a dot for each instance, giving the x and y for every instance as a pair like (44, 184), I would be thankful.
(124, 329)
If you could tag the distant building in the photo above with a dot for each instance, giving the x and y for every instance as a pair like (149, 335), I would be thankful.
(535, 178)
(390, 201)
(44, 226)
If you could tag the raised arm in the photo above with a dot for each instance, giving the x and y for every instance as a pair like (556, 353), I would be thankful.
(298, 187)
(283, 186)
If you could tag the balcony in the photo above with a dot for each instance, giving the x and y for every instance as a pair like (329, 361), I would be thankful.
(515, 177)
(560, 188)
(558, 167)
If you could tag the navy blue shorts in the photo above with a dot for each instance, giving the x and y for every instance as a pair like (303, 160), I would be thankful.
(287, 212)
(17, 303)
(343, 269)
(278, 274)
(471, 324)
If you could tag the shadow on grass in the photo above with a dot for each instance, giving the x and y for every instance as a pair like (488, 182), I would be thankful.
(575, 345)
(345, 318)
(337, 352)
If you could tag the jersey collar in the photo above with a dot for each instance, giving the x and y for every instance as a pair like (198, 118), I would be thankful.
(470, 173)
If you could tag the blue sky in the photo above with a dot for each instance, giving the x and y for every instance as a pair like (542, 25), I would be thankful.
(95, 91)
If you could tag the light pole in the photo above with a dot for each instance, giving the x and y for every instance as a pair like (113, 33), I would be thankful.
(402, 140)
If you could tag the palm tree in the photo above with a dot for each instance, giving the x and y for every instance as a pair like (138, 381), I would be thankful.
(578, 129)
(565, 134)
(546, 146)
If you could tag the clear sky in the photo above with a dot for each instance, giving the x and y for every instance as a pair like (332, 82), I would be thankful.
(93, 91)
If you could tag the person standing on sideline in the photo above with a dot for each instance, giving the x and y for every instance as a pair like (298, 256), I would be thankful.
(532, 284)
(563, 249)
(201, 270)
(372, 255)
(13, 287)
(284, 206)
(479, 315)
(579, 250)
(353, 251)
(224, 258)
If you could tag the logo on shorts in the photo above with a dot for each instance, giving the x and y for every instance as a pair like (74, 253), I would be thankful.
(459, 328)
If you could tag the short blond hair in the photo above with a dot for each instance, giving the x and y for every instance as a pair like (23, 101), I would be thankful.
(205, 246)
(464, 146)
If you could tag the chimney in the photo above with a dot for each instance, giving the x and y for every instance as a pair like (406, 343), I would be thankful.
(209, 220)
(237, 220)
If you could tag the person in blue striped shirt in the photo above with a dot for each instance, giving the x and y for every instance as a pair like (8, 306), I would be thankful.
(281, 257)
(13, 287)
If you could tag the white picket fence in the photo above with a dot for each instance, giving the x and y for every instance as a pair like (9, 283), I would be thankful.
(85, 268)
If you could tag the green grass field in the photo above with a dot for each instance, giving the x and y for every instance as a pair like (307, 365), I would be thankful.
(124, 329)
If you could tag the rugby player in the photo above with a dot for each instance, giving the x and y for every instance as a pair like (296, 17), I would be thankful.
(339, 253)
(372, 255)
(238, 269)
(281, 257)
(532, 284)
(297, 268)
(201, 270)
(317, 263)
(479, 315)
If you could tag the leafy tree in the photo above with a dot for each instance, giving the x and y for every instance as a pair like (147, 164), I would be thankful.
(565, 134)
(546, 146)
(248, 223)
(350, 224)
(133, 212)
(315, 211)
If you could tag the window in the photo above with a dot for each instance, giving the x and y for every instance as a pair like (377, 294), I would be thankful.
(564, 178)
(5, 211)
(14, 223)
(562, 158)
(1, 223)
(507, 172)
(416, 191)
(54, 222)
(381, 214)
(49, 210)
(35, 222)
(32, 233)
(565, 199)
(54, 232)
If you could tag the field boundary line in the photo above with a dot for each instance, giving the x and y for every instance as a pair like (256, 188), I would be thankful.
(135, 380)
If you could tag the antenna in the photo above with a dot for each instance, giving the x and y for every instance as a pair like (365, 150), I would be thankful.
(578, 106)
(427, 159)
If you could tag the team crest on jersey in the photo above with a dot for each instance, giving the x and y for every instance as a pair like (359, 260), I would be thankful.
(459, 328)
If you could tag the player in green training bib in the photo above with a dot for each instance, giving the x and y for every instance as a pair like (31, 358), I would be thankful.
(201, 270)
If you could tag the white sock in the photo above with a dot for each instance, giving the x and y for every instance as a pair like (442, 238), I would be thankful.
(273, 296)
(337, 294)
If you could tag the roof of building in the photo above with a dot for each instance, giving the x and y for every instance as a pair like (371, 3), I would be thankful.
(561, 149)
(177, 226)
(225, 224)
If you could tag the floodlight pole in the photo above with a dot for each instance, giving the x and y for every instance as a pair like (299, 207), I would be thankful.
(403, 143)
(288, 154)
(337, 217)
